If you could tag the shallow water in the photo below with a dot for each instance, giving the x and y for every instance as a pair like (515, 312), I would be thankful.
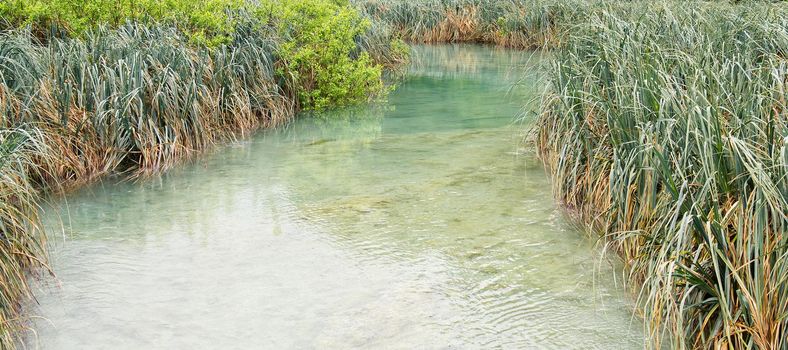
(419, 223)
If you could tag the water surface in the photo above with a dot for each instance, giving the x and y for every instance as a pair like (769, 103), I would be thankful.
(421, 223)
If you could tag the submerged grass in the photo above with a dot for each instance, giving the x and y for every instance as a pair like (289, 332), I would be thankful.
(666, 128)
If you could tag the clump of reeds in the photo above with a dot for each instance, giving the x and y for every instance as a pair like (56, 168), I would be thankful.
(22, 246)
(511, 23)
(666, 128)
(138, 98)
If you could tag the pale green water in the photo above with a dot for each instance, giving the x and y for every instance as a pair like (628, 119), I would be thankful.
(420, 224)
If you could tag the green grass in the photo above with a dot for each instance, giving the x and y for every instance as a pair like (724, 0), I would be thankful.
(139, 97)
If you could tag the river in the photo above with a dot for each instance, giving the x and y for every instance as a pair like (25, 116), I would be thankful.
(423, 222)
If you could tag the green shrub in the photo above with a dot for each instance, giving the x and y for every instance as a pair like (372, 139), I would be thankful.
(321, 54)
(206, 21)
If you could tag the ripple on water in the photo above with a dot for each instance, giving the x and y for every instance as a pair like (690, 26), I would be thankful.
(416, 224)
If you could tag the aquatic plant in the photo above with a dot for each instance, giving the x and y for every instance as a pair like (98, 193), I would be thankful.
(139, 97)
(22, 247)
(666, 129)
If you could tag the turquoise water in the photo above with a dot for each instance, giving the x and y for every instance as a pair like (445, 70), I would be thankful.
(423, 222)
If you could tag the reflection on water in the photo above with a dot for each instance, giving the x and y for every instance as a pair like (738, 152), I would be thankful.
(413, 224)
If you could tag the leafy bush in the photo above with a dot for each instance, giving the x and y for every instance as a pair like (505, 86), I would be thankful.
(205, 22)
(321, 54)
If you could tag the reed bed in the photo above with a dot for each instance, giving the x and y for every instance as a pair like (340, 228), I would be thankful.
(512, 23)
(666, 129)
(139, 98)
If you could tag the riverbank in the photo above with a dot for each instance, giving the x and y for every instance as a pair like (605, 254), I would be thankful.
(666, 129)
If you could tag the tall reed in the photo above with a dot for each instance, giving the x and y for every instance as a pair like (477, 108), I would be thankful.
(511, 23)
(22, 242)
(666, 128)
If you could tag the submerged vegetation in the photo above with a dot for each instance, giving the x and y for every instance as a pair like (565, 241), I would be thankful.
(664, 124)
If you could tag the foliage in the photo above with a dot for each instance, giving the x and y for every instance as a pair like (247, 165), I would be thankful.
(206, 21)
(319, 50)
